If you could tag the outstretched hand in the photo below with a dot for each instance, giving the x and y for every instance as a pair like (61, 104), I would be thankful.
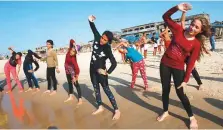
(183, 84)
(57, 70)
(102, 71)
(10, 48)
(184, 7)
(31, 71)
(74, 80)
(91, 18)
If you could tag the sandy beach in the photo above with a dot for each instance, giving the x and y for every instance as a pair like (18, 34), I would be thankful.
(139, 109)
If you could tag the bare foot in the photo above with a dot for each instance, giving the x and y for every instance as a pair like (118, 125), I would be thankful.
(69, 99)
(163, 116)
(200, 87)
(193, 123)
(21, 90)
(54, 92)
(46, 92)
(30, 89)
(99, 110)
(36, 91)
(171, 84)
(8, 91)
(116, 115)
(79, 101)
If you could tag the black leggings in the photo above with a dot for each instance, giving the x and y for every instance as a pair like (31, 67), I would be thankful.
(196, 76)
(194, 73)
(50, 74)
(103, 80)
(71, 90)
(178, 77)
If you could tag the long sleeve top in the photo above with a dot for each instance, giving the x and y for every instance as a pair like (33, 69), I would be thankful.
(101, 53)
(51, 58)
(29, 60)
(71, 65)
(180, 47)
(13, 61)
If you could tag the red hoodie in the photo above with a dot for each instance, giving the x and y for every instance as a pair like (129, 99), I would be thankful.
(180, 47)
(71, 66)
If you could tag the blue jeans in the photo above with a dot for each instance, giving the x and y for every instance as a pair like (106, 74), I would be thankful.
(212, 41)
(30, 76)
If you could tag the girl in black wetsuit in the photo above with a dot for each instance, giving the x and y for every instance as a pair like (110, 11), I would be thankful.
(99, 74)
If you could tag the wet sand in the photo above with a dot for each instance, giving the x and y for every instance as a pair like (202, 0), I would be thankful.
(139, 109)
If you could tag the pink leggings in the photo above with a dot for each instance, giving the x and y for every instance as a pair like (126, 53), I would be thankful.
(135, 68)
(8, 68)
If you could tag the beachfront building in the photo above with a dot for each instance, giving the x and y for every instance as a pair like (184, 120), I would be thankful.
(150, 28)
(41, 50)
(218, 25)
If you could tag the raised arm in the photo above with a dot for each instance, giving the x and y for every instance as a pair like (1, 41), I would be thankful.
(11, 50)
(36, 55)
(173, 26)
(36, 64)
(30, 53)
(182, 19)
(164, 32)
(91, 19)
(119, 44)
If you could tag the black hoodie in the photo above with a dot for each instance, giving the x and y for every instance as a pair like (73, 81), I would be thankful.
(29, 60)
(101, 53)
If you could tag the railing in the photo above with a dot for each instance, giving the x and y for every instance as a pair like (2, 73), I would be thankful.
(139, 31)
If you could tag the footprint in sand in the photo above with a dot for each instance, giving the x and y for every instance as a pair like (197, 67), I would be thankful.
(190, 97)
(220, 91)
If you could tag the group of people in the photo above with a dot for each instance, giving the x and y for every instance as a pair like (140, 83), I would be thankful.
(142, 45)
(187, 45)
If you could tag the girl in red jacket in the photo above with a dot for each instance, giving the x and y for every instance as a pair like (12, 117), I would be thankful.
(184, 42)
(72, 72)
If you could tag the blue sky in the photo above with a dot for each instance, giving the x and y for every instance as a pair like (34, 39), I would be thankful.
(26, 25)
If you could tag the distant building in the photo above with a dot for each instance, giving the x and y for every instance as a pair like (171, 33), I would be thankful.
(86, 48)
(41, 50)
(218, 26)
(156, 27)
(61, 50)
(117, 35)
